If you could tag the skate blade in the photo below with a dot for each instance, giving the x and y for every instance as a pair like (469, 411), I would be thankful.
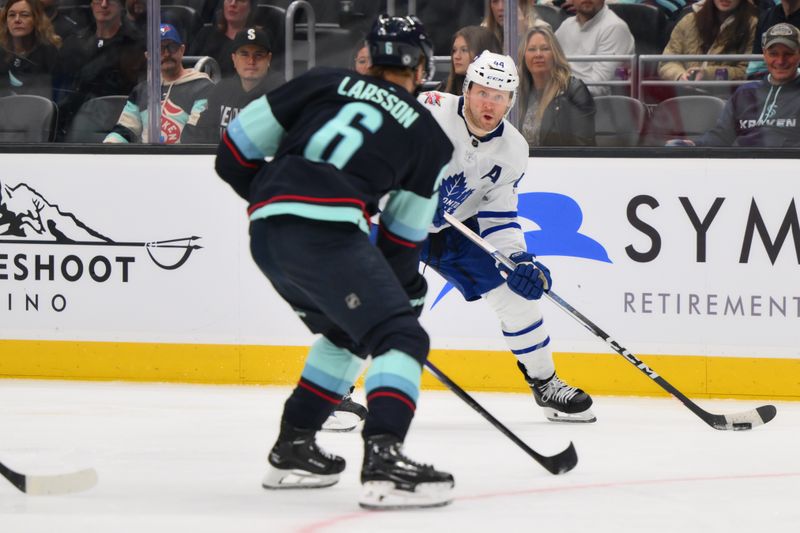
(279, 479)
(341, 421)
(383, 496)
(584, 417)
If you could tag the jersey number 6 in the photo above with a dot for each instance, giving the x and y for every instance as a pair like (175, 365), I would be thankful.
(339, 130)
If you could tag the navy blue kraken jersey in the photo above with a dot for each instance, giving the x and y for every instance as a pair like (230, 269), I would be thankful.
(340, 141)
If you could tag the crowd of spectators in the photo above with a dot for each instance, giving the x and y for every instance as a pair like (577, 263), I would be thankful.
(71, 55)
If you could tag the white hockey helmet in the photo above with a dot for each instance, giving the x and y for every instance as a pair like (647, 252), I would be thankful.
(495, 71)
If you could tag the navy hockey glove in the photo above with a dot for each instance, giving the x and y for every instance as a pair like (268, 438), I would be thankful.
(438, 216)
(530, 279)
(416, 294)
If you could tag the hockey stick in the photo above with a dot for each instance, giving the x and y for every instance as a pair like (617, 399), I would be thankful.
(737, 421)
(51, 484)
(560, 463)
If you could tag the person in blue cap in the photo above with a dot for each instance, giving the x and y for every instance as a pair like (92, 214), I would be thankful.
(184, 96)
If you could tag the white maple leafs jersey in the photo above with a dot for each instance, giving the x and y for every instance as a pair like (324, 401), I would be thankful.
(483, 174)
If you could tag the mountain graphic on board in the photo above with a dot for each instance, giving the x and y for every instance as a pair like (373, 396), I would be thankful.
(27, 215)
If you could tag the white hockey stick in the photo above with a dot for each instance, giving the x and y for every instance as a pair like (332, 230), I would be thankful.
(51, 484)
(737, 421)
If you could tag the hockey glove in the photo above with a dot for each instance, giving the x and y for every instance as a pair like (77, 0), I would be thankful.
(416, 294)
(438, 216)
(530, 279)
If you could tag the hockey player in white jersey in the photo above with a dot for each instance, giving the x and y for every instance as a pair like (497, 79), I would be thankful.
(480, 189)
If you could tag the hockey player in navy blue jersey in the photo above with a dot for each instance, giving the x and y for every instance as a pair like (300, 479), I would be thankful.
(341, 141)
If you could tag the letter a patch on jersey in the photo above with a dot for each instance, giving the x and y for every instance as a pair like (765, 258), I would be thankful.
(493, 174)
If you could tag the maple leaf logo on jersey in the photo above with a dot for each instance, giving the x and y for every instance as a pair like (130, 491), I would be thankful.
(433, 98)
(454, 192)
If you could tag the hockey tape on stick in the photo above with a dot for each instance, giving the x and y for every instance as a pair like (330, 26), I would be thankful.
(51, 484)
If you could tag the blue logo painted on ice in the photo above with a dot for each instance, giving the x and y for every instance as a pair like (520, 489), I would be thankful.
(559, 218)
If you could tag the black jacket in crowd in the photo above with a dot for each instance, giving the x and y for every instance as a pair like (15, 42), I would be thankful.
(569, 119)
(29, 74)
(225, 101)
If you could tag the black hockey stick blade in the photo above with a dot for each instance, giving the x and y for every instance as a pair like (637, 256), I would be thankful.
(736, 422)
(51, 485)
(744, 420)
(559, 463)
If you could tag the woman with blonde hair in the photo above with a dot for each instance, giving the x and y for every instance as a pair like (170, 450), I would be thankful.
(468, 43)
(556, 108)
(29, 57)
(495, 16)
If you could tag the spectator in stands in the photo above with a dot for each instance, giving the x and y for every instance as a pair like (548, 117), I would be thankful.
(251, 58)
(714, 27)
(217, 40)
(108, 61)
(64, 25)
(556, 107)
(184, 94)
(785, 11)
(468, 43)
(764, 112)
(361, 61)
(136, 13)
(495, 16)
(595, 30)
(30, 46)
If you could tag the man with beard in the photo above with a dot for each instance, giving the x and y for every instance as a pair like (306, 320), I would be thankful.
(595, 30)
(251, 58)
(184, 95)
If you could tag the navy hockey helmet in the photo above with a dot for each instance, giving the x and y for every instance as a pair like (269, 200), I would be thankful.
(399, 42)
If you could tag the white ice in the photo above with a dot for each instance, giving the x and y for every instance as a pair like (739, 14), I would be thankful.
(190, 458)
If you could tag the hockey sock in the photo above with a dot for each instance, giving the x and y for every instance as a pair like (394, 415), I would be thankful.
(328, 374)
(392, 385)
(524, 331)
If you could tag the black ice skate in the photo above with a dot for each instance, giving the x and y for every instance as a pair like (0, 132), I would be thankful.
(561, 403)
(346, 417)
(390, 480)
(296, 462)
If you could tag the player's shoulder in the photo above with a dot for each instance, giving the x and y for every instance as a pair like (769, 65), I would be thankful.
(515, 144)
(438, 102)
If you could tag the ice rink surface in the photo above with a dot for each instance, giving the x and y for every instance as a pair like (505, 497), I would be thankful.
(189, 458)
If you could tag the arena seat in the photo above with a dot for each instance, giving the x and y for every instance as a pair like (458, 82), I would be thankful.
(619, 120)
(184, 18)
(647, 24)
(550, 14)
(95, 118)
(27, 118)
(683, 117)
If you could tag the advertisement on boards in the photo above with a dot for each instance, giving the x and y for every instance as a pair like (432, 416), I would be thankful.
(681, 257)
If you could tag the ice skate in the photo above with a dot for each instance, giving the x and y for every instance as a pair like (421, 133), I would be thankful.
(390, 480)
(561, 403)
(346, 417)
(297, 462)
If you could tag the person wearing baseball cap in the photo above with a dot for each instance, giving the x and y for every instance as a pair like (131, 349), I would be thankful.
(252, 55)
(765, 112)
(184, 96)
